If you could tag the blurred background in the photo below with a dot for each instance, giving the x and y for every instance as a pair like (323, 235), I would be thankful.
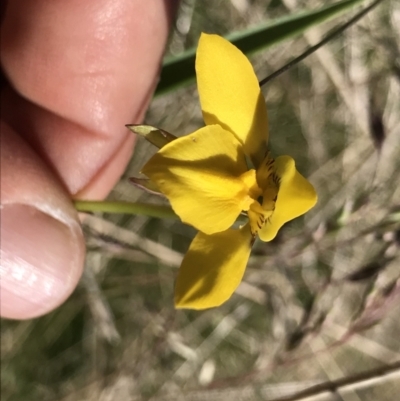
(320, 302)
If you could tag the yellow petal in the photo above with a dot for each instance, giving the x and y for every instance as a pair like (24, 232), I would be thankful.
(230, 94)
(212, 268)
(200, 175)
(296, 196)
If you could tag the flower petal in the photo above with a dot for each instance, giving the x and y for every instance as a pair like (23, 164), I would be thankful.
(212, 268)
(230, 94)
(296, 196)
(200, 175)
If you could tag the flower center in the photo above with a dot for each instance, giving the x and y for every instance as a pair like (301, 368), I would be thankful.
(263, 194)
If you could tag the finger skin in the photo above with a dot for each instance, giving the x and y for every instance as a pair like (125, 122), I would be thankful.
(76, 73)
(81, 70)
(42, 246)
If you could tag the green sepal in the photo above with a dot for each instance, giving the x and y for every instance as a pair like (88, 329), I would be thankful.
(146, 185)
(155, 136)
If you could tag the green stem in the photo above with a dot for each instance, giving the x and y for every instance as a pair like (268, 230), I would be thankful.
(125, 208)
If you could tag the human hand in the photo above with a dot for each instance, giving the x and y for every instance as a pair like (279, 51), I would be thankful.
(76, 73)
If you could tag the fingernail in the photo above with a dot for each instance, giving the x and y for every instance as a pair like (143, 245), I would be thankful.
(41, 262)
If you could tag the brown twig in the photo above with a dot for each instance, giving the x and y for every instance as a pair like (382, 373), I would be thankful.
(334, 386)
(332, 35)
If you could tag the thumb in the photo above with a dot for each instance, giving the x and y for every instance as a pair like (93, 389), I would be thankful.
(42, 246)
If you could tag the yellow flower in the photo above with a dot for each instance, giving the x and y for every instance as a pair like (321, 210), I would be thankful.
(208, 177)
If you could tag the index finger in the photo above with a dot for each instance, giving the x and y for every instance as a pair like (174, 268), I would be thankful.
(80, 71)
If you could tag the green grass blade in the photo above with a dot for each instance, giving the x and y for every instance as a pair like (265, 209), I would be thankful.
(179, 70)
